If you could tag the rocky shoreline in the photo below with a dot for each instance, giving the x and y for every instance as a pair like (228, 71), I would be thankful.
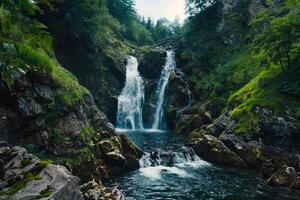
(215, 142)
(24, 176)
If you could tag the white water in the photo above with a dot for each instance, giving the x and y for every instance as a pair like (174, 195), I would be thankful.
(181, 161)
(131, 100)
(160, 91)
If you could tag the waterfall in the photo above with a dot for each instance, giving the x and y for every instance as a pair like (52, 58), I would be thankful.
(130, 102)
(161, 88)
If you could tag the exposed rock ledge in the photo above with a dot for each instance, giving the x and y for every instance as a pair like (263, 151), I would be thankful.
(216, 143)
(24, 177)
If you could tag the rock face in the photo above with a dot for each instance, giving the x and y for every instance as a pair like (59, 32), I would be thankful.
(34, 115)
(151, 64)
(192, 119)
(213, 150)
(59, 129)
(217, 143)
(177, 94)
(25, 177)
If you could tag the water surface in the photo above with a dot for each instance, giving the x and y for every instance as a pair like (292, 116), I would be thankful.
(192, 181)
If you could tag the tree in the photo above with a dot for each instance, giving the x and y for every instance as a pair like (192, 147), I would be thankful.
(149, 24)
(195, 6)
(280, 34)
(123, 10)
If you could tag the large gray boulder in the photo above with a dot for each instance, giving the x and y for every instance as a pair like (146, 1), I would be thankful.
(24, 177)
(56, 182)
(215, 151)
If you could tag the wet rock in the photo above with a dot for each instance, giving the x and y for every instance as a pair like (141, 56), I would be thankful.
(120, 153)
(213, 150)
(152, 63)
(285, 176)
(29, 107)
(44, 92)
(115, 158)
(252, 153)
(167, 158)
(220, 125)
(95, 191)
(193, 118)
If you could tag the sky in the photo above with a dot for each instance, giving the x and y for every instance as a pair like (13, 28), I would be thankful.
(161, 8)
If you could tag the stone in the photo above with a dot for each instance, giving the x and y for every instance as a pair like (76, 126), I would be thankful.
(193, 118)
(56, 181)
(252, 153)
(29, 107)
(95, 191)
(151, 64)
(285, 176)
(213, 150)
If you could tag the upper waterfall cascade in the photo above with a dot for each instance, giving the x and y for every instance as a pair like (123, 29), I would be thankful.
(159, 122)
(130, 102)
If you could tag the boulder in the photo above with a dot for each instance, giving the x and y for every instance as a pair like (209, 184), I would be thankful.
(285, 176)
(25, 177)
(213, 150)
(252, 152)
(193, 118)
(95, 191)
(120, 153)
(56, 182)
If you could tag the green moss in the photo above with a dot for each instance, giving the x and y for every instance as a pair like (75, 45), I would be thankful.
(25, 163)
(262, 91)
(46, 193)
(88, 134)
(70, 91)
(21, 184)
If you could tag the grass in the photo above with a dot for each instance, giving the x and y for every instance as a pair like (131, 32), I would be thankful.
(261, 91)
(69, 90)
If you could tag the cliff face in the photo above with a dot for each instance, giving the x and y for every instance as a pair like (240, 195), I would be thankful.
(247, 106)
(44, 108)
(33, 115)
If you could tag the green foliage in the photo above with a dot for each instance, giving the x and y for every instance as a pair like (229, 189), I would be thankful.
(123, 10)
(281, 39)
(233, 73)
(25, 163)
(88, 134)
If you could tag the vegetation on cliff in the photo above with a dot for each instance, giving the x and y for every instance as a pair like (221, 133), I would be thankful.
(243, 55)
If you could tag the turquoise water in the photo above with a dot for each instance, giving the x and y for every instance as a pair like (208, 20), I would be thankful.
(196, 180)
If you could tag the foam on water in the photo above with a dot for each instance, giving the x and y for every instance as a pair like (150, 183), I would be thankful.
(154, 173)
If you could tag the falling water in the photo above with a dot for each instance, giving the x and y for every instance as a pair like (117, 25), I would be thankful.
(130, 102)
(160, 91)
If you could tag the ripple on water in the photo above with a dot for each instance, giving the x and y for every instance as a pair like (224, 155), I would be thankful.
(192, 181)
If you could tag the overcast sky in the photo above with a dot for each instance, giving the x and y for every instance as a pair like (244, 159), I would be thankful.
(161, 8)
